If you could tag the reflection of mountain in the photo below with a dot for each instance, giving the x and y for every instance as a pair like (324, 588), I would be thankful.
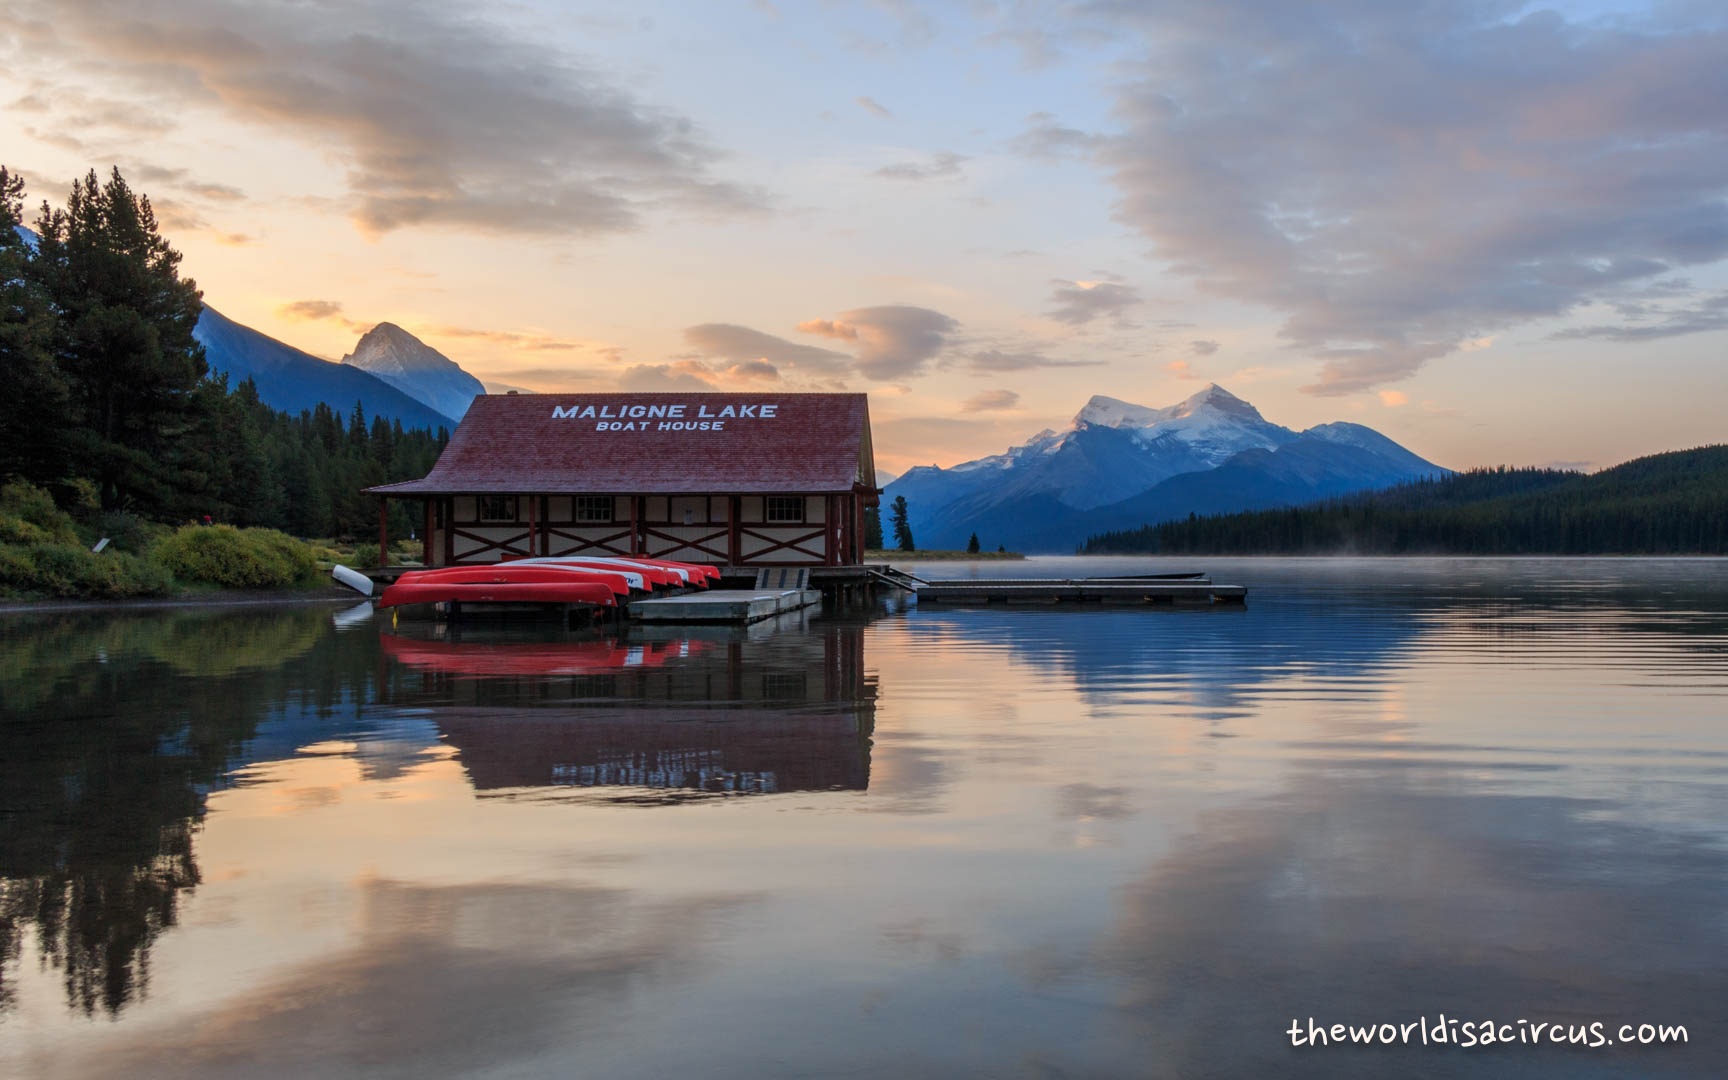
(1212, 662)
(730, 711)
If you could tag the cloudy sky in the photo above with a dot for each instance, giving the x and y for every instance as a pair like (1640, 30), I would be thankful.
(1494, 231)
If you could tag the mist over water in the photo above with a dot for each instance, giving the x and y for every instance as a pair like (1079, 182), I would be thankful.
(940, 842)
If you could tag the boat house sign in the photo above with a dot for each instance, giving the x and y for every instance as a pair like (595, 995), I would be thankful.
(669, 417)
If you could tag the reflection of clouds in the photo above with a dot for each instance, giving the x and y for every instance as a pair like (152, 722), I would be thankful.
(908, 774)
(1350, 900)
(445, 980)
(1084, 800)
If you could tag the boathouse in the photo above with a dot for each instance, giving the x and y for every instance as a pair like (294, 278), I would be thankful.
(733, 479)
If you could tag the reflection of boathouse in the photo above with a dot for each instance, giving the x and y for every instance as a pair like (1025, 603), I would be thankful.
(739, 479)
(734, 711)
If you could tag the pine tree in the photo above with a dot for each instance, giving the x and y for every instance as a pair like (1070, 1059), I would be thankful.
(123, 339)
(902, 528)
(33, 409)
(873, 528)
(972, 545)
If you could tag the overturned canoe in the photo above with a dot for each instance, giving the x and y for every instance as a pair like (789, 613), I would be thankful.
(572, 590)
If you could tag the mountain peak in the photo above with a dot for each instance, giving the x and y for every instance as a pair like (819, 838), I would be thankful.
(400, 358)
(1104, 411)
(1218, 398)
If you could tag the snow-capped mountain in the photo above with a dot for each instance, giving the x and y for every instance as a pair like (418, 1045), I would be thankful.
(416, 368)
(1118, 460)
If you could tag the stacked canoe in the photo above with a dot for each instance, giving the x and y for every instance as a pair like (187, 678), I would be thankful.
(564, 581)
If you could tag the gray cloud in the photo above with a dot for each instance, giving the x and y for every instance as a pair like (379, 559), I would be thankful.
(745, 347)
(1203, 348)
(1399, 181)
(1047, 140)
(940, 165)
(1080, 302)
(990, 400)
(441, 118)
(893, 341)
(999, 360)
(874, 107)
(1711, 313)
(651, 377)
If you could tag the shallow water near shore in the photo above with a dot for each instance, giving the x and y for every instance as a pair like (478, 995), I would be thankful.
(1006, 842)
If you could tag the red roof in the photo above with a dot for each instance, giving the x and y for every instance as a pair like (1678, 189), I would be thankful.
(654, 443)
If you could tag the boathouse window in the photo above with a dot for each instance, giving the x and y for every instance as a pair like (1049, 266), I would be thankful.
(784, 508)
(497, 507)
(594, 508)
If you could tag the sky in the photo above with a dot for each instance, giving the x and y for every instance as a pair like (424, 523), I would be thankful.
(1493, 231)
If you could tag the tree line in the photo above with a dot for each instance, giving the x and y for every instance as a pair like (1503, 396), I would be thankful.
(110, 399)
(1666, 504)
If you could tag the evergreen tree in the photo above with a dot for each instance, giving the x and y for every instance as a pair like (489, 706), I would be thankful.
(902, 528)
(873, 528)
(972, 545)
(33, 408)
(123, 338)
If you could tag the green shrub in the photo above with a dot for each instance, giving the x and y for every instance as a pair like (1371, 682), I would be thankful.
(48, 568)
(28, 515)
(125, 532)
(236, 558)
(365, 557)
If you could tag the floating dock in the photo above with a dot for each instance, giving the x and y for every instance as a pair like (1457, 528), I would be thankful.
(724, 605)
(1171, 590)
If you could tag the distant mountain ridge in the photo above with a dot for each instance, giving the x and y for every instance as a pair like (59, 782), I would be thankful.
(295, 381)
(1675, 503)
(415, 368)
(1121, 465)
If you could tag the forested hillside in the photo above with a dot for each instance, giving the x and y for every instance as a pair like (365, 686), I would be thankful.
(111, 407)
(1673, 503)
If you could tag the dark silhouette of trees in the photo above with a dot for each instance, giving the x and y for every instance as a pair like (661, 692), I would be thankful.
(122, 339)
(902, 528)
(35, 401)
(106, 384)
(1673, 503)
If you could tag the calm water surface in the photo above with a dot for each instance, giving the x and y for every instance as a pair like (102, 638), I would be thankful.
(300, 842)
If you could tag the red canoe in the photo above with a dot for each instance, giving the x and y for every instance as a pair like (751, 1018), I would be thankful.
(533, 658)
(568, 590)
(516, 573)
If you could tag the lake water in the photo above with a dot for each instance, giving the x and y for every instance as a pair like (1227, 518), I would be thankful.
(1031, 842)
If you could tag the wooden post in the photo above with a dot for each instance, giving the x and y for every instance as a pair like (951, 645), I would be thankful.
(448, 506)
(635, 528)
(734, 543)
(858, 528)
(533, 505)
(839, 530)
(830, 532)
(383, 531)
(426, 533)
(545, 529)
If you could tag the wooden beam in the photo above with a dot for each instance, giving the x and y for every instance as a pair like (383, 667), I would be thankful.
(426, 532)
(634, 529)
(533, 505)
(383, 531)
(734, 510)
